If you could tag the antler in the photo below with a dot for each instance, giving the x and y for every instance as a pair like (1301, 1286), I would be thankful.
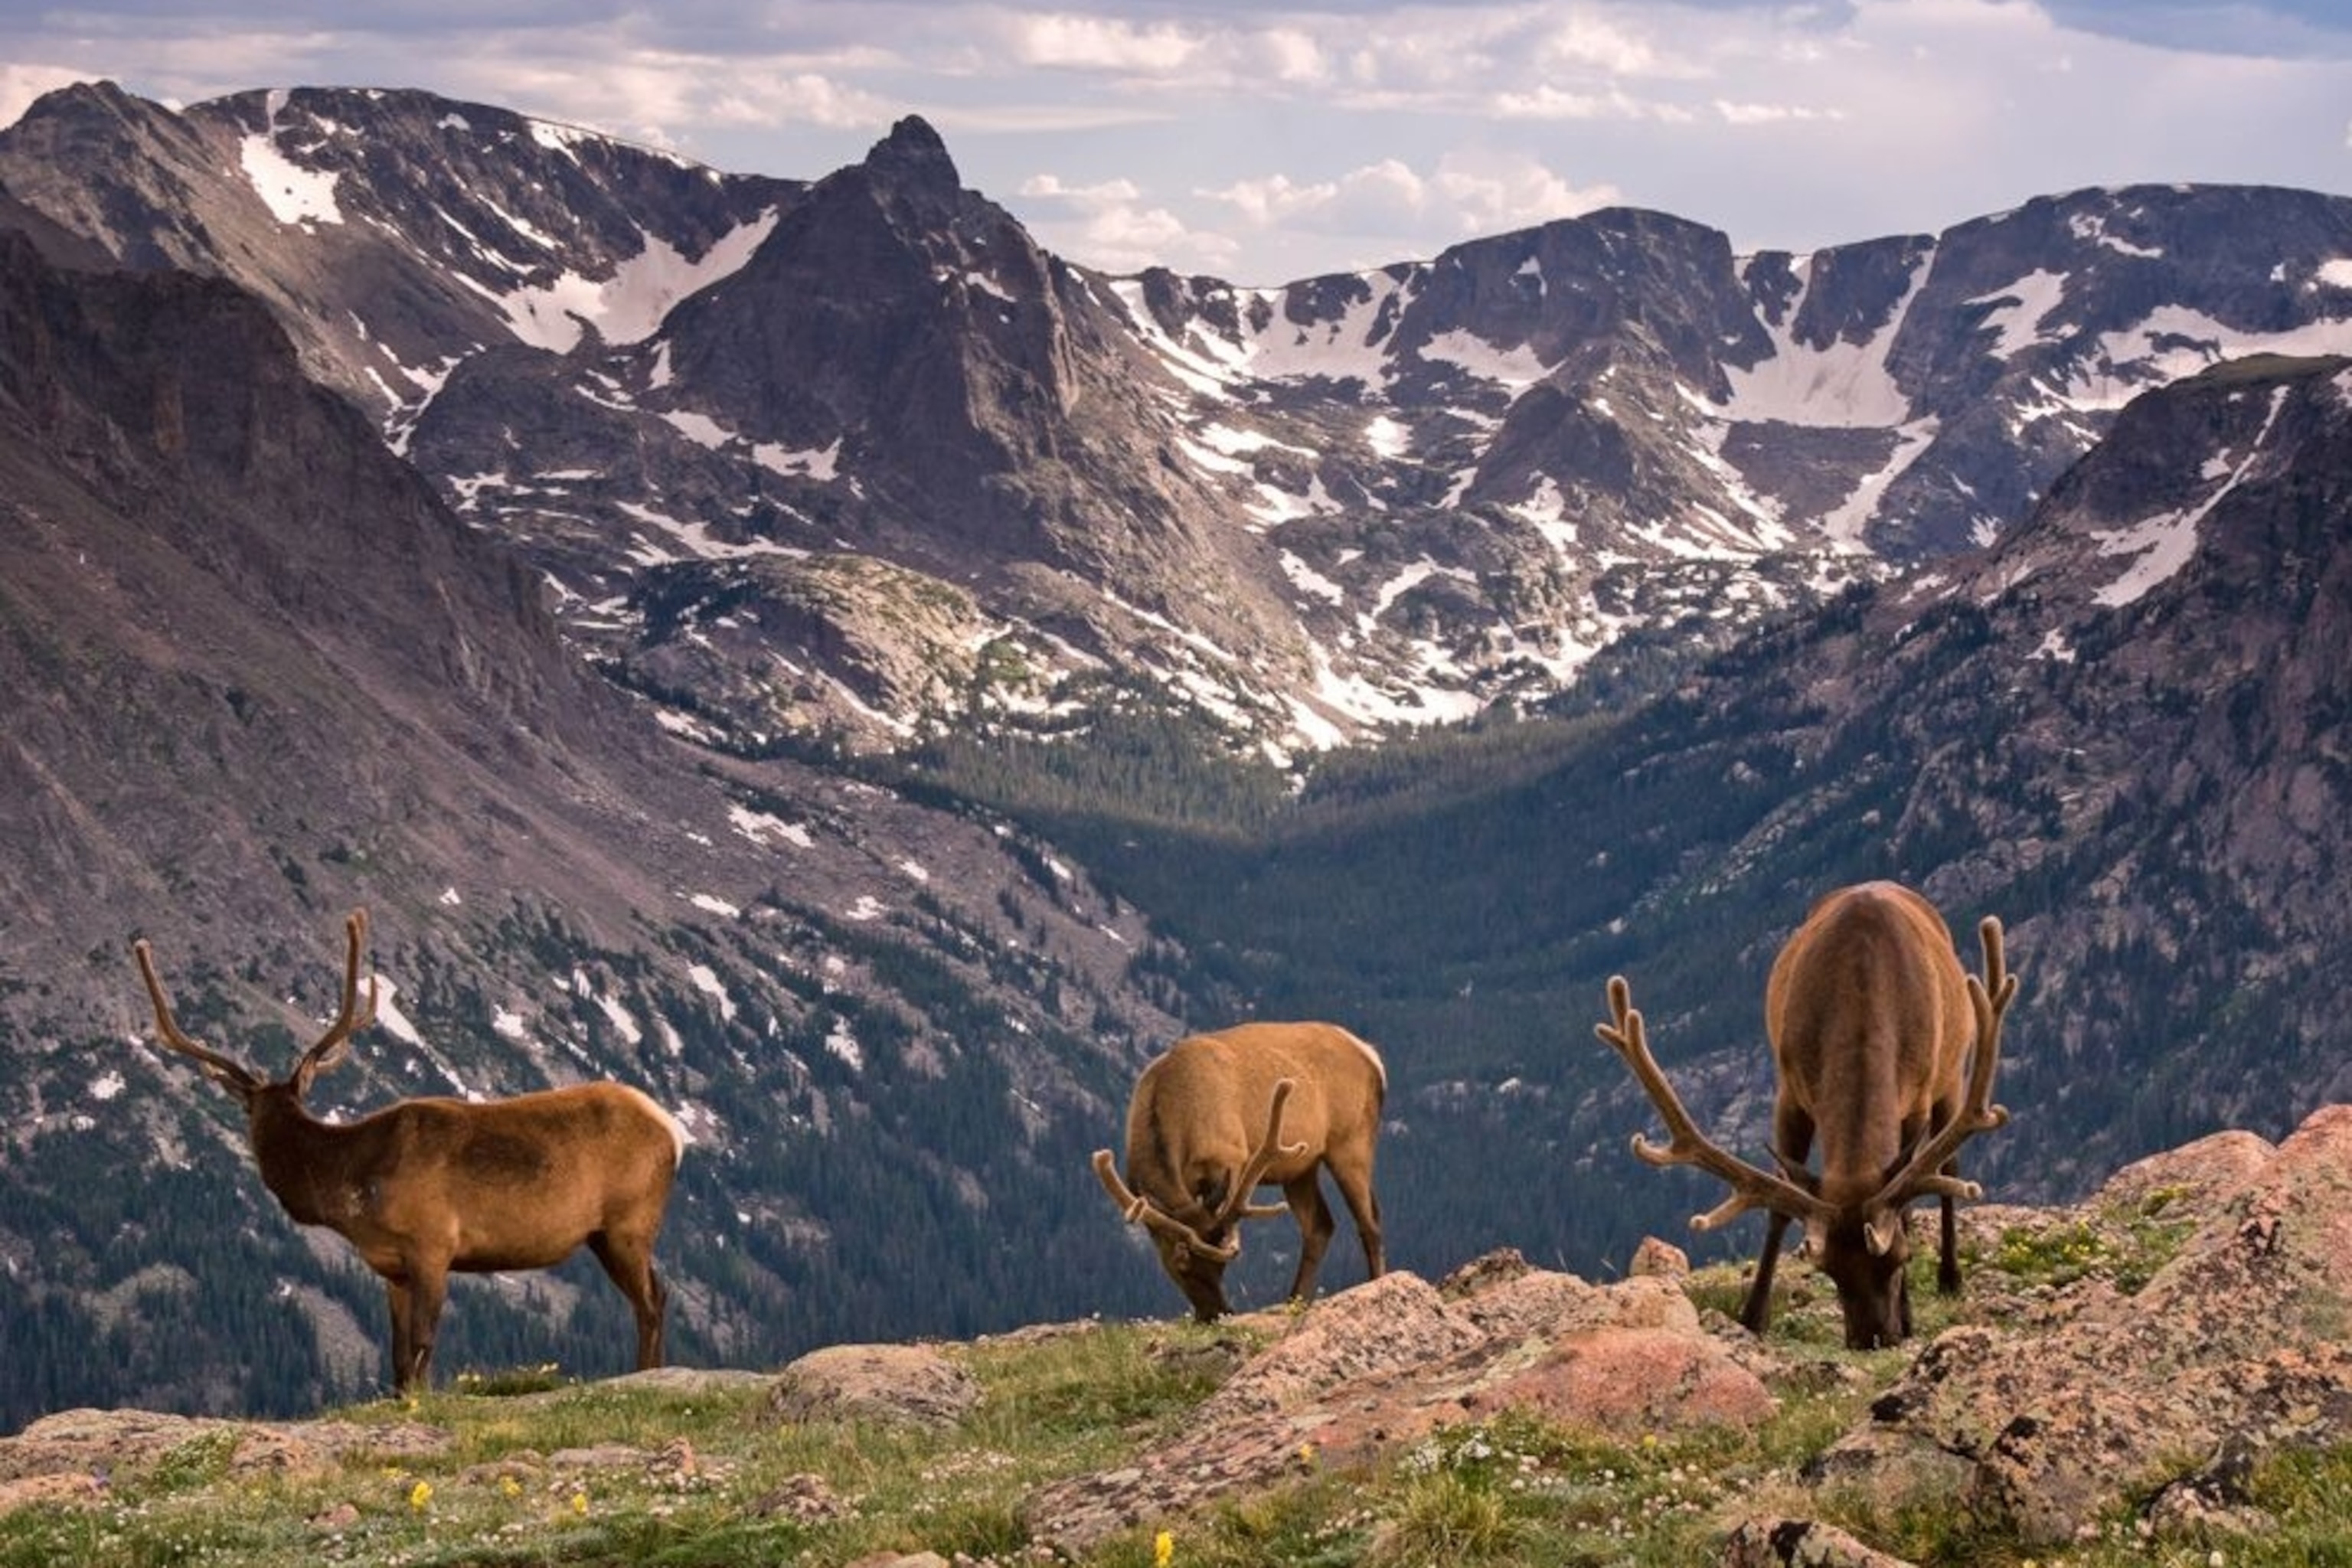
(1923, 1175)
(234, 1074)
(1752, 1186)
(1237, 1204)
(224, 1070)
(1144, 1212)
(337, 1041)
(1141, 1210)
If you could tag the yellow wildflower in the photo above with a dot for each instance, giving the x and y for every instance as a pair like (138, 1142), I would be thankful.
(419, 1495)
(580, 1504)
(509, 1486)
(1164, 1549)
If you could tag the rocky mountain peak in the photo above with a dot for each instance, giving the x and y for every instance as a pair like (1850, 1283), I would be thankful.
(1410, 493)
(913, 155)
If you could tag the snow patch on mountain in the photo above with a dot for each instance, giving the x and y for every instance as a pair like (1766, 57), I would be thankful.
(1841, 383)
(694, 536)
(629, 306)
(2166, 542)
(295, 196)
(2017, 312)
(1362, 701)
(1343, 348)
(1514, 367)
(1845, 524)
(2093, 227)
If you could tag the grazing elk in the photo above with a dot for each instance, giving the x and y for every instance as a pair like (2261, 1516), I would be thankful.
(424, 1187)
(1208, 1122)
(1885, 1052)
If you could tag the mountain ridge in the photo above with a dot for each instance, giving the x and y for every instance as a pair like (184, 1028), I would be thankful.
(1411, 493)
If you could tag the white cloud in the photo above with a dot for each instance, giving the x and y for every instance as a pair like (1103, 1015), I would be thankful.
(1467, 193)
(1597, 41)
(1064, 41)
(1108, 225)
(1109, 192)
(1545, 101)
(1770, 113)
(21, 84)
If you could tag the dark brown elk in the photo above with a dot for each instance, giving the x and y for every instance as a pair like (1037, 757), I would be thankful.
(428, 1187)
(1886, 1051)
(1216, 1115)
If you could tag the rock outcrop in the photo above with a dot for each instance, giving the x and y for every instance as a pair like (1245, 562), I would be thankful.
(910, 1386)
(2198, 1305)
(1375, 1369)
(2045, 1418)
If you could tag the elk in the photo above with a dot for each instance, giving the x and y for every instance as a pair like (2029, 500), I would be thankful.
(424, 1187)
(1208, 1123)
(1885, 1050)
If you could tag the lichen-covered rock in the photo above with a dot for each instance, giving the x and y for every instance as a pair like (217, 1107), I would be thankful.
(1376, 1369)
(1659, 1257)
(915, 1385)
(77, 1454)
(2238, 1339)
(1799, 1543)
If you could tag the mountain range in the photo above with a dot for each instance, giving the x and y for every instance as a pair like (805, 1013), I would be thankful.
(802, 647)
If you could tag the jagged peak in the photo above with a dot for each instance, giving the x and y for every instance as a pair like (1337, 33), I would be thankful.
(102, 96)
(914, 155)
(103, 89)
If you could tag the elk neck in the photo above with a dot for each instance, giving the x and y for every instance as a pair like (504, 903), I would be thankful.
(321, 1172)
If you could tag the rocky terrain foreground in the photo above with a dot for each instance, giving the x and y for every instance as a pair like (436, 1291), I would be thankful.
(2114, 1376)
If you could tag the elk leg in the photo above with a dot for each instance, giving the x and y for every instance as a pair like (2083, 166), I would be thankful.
(398, 1296)
(1947, 1263)
(1948, 1260)
(628, 1262)
(1364, 1208)
(1793, 1140)
(426, 1289)
(1756, 1314)
(1315, 1228)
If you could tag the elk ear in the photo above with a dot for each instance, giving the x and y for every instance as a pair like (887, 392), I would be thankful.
(1882, 1230)
(238, 1084)
(311, 1067)
(1816, 1244)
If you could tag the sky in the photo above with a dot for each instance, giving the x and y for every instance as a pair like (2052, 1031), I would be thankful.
(1262, 142)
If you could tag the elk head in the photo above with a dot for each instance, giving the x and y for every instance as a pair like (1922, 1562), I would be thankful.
(265, 1099)
(1197, 1241)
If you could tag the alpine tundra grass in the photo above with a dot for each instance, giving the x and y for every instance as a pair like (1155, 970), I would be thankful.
(531, 1470)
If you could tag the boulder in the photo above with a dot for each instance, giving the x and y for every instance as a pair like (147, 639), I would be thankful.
(912, 1385)
(1799, 1543)
(77, 1454)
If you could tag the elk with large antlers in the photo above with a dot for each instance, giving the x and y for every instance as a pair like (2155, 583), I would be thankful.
(1218, 1114)
(428, 1187)
(1886, 1051)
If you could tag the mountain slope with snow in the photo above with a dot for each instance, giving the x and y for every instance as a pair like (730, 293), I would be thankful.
(851, 457)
